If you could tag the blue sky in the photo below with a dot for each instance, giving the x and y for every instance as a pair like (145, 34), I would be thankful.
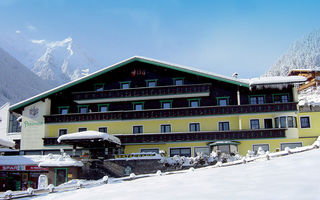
(221, 36)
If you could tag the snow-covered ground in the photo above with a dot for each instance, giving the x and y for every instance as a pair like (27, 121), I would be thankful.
(290, 177)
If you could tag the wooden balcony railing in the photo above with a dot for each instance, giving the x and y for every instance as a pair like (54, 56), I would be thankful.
(168, 113)
(193, 136)
(144, 91)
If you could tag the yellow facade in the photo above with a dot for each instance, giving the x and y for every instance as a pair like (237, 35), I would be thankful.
(306, 135)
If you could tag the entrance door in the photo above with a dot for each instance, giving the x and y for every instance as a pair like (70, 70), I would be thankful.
(61, 176)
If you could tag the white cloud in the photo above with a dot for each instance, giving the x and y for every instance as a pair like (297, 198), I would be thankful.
(38, 41)
(18, 31)
(31, 28)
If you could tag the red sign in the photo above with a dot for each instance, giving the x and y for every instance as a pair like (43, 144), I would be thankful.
(21, 168)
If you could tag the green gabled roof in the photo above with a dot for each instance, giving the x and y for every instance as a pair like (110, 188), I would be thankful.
(122, 63)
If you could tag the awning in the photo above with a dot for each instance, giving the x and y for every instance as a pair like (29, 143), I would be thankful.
(88, 136)
(219, 143)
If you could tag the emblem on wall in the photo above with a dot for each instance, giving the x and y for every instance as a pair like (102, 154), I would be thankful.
(33, 112)
(138, 72)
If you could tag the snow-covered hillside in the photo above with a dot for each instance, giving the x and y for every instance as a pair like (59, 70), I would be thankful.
(290, 177)
(16, 81)
(303, 54)
(56, 61)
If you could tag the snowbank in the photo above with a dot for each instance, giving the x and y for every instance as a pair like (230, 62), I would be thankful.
(87, 135)
(309, 97)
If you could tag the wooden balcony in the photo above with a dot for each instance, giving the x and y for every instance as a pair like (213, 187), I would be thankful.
(193, 136)
(170, 113)
(143, 93)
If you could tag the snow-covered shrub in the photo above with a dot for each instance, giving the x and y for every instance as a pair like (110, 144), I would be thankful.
(51, 188)
(250, 154)
(159, 173)
(191, 169)
(30, 191)
(132, 176)
(260, 151)
(8, 194)
(105, 179)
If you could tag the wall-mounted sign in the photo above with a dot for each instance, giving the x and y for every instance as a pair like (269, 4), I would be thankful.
(33, 112)
(21, 168)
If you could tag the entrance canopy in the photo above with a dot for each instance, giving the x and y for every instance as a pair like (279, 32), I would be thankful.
(219, 143)
(85, 138)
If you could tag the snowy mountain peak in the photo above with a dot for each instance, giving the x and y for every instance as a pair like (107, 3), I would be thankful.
(62, 61)
(303, 54)
(56, 61)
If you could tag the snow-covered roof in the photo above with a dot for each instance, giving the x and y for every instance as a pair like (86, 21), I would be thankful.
(309, 97)
(60, 161)
(89, 135)
(122, 63)
(21, 160)
(7, 143)
(276, 80)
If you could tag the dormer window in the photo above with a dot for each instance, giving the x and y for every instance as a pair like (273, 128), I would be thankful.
(178, 81)
(151, 83)
(63, 110)
(99, 87)
(82, 109)
(125, 85)
(138, 106)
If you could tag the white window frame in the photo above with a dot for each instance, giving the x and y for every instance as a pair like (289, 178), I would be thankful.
(62, 129)
(166, 124)
(309, 121)
(137, 125)
(194, 123)
(223, 121)
(149, 148)
(194, 149)
(250, 123)
(264, 125)
(261, 144)
(169, 153)
(103, 127)
(290, 143)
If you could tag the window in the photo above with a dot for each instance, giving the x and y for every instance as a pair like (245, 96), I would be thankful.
(224, 126)
(137, 129)
(125, 85)
(63, 132)
(256, 99)
(63, 110)
(166, 104)
(285, 122)
(186, 152)
(165, 128)
(151, 83)
(204, 150)
(254, 124)
(305, 122)
(223, 101)
(292, 122)
(290, 145)
(138, 105)
(178, 81)
(82, 109)
(149, 151)
(82, 129)
(255, 147)
(280, 98)
(99, 87)
(194, 127)
(224, 149)
(103, 129)
(103, 107)
(194, 103)
(14, 125)
(268, 123)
